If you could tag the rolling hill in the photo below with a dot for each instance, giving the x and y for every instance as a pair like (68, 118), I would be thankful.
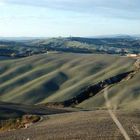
(106, 45)
(57, 77)
(124, 95)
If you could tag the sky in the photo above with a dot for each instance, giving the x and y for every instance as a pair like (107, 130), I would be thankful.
(53, 18)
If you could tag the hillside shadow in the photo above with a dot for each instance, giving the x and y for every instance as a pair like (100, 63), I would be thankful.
(45, 90)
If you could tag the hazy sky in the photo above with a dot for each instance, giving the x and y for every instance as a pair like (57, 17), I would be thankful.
(69, 17)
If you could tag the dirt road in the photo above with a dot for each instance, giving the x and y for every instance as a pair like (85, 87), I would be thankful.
(114, 117)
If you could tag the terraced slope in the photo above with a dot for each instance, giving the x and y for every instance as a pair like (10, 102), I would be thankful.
(57, 77)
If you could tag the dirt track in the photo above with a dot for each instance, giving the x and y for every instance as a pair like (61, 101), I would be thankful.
(113, 116)
(97, 125)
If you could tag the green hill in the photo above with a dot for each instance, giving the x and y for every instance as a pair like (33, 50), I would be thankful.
(124, 95)
(58, 77)
(24, 47)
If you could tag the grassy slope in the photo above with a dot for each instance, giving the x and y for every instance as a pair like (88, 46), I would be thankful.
(56, 77)
(125, 95)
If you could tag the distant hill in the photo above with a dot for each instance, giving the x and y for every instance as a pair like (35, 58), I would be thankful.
(115, 36)
(120, 45)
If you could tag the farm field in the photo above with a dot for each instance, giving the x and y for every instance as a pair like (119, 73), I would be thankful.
(58, 77)
(59, 96)
(79, 125)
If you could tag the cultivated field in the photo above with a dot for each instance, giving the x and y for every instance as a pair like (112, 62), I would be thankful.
(83, 125)
(28, 85)
(58, 77)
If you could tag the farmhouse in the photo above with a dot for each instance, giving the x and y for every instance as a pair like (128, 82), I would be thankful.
(132, 55)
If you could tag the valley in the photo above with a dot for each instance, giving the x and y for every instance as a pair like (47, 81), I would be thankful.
(69, 70)
(42, 91)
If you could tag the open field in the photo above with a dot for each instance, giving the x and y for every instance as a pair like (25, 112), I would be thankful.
(28, 84)
(59, 77)
(18, 110)
(17, 116)
(83, 125)
(124, 95)
(69, 70)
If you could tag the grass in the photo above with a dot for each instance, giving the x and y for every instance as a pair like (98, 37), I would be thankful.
(57, 77)
(125, 95)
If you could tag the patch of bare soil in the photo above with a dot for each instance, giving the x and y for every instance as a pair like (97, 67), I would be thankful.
(85, 125)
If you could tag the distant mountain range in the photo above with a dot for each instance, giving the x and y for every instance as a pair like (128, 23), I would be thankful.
(24, 46)
(99, 36)
(115, 36)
